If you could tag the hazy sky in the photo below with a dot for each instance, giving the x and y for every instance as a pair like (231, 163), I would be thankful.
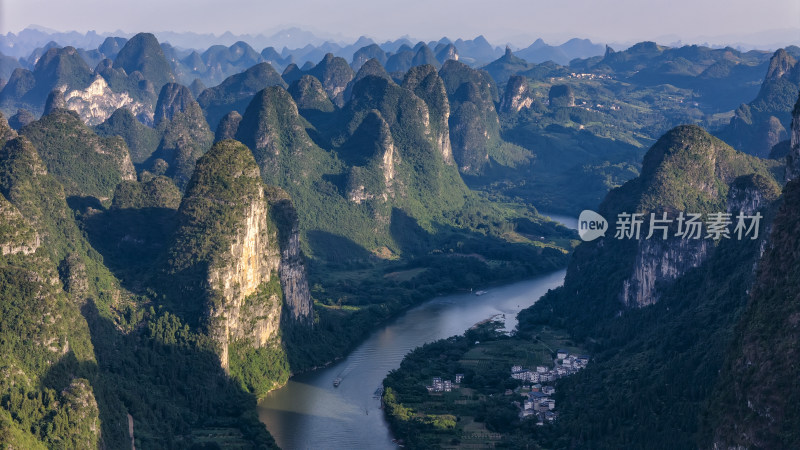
(498, 20)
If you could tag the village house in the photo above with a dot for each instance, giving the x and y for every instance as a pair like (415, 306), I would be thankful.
(522, 375)
(539, 402)
(440, 385)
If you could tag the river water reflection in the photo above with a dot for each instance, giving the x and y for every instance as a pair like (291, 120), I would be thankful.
(310, 413)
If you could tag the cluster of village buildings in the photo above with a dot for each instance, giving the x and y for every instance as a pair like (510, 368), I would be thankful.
(569, 364)
(590, 76)
(440, 385)
(538, 402)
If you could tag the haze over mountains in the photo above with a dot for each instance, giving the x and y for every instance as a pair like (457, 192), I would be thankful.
(294, 40)
(616, 102)
(298, 36)
(298, 43)
(217, 219)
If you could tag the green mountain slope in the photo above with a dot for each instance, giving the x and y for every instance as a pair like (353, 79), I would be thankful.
(762, 123)
(185, 135)
(86, 164)
(229, 257)
(656, 315)
(236, 92)
(100, 356)
(58, 68)
(474, 124)
(143, 54)
(334, 74)
(142, 140)
(755, 401)
(686, 170)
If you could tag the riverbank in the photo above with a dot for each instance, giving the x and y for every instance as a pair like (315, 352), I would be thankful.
(380, 321)
(480, 403)
(309, 412)
(340, 328)
(351, 302)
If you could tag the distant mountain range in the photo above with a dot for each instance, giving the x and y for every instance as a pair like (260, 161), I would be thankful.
(593, 115)
(146, 255)
(294, 42)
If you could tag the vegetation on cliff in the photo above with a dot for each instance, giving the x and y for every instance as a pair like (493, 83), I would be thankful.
(100, 354)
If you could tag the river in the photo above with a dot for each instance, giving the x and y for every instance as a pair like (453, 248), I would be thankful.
(310, 413)
(567, 221)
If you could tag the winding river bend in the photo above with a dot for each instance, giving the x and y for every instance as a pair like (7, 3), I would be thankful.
(310, 413)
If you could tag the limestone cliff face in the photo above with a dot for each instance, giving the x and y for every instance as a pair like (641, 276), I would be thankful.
(372, 175)
(446, 52)
(173, 99)
(660, 261)
(291, 269)
(250, 269)
(426, 84)
(779, 65)
(517, 95)
(471, 132)
(97, 102)
(250, 261)
(15, 234)
(292, 272)
(561, 95)
(726, 180)
(793, 158)
(687, 171)
(82, 409)
(749, 193)
(474, 124)
(228, 126)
